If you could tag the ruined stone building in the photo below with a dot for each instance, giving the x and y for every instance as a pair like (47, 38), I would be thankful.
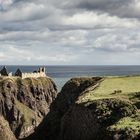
(41, 72)
(4, 72)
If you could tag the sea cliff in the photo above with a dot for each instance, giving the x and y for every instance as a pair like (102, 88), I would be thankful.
(93, 108)
(87, 108)
(25, 102)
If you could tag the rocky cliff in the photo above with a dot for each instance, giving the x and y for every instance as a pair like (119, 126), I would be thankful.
(5, 131)
(91, 120)
(85, 109)
(75, 116)
(25, 102)
(50, 128)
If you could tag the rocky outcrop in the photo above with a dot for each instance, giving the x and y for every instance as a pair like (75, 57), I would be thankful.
(32, 110)
(90, 120)
(5, 131)
(79, 124)
(25, 102)
(72, 119)
(50, 128)
(4, 71)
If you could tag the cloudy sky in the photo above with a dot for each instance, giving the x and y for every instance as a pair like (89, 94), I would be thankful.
(70, 32)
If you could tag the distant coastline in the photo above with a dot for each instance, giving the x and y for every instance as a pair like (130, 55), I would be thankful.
(61, 74)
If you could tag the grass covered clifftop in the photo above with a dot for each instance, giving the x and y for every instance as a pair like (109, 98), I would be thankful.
(123, 90)
(126, 88)
(99, 108)
(25, 102)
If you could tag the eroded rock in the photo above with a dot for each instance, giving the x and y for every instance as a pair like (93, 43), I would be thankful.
(25, 102)
(5, 131)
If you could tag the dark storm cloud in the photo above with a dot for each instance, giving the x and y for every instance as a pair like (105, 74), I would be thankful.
(99, 4)
(121, 8)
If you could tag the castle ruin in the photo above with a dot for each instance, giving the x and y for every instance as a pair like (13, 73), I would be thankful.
(41, 72)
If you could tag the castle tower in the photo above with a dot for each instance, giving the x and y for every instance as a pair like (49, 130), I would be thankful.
(4, 71)
(40, 70)
(18, 73)
(44, 69)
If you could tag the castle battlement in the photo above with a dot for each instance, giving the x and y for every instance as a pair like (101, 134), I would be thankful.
(34, 75)
(41, 72)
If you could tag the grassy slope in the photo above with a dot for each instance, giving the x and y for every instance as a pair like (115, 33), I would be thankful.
(130, 91)
(129, 86)
(131, 122)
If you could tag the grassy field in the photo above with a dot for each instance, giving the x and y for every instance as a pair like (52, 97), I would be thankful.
(131, 122)
(123, 88)
(126, 88)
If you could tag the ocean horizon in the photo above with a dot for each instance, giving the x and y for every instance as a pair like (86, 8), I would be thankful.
(61, 74)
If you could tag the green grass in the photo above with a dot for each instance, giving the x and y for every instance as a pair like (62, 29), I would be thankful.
(130, 125)
(128, 86)
(130, 91)
(126, 122)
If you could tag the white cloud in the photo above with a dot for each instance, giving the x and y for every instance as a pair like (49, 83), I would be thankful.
(95, 20)
(29, 11)
(69, 32)
(4, 4)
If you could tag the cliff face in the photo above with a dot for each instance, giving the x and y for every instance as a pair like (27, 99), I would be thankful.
(83, 110)
(101, 116)
(24, 102)
(73, 116)
(91, 120)
(5, 131)
(50, 128)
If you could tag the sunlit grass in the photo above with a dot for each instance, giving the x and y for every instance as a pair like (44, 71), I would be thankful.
(132, 122)
(115, 87)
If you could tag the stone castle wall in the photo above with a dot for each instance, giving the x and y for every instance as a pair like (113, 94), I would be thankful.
(33, 75)
(41, 72)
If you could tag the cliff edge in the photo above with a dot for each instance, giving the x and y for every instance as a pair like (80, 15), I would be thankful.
(94, 108)
(25, 102)
(86, 108)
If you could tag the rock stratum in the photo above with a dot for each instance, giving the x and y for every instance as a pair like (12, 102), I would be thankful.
(88, 108)
(24, 103)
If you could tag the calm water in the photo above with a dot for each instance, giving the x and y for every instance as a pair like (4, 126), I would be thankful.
(61, 74)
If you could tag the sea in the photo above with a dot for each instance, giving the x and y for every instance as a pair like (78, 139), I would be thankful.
(61, 74)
